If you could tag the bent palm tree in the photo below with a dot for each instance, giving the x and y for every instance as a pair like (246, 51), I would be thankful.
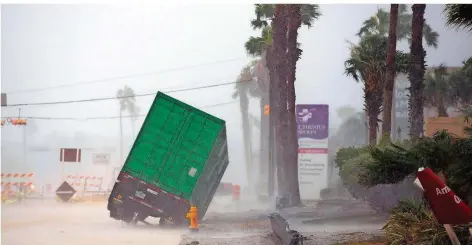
(127, 101)
(243, 89)
(367, 63)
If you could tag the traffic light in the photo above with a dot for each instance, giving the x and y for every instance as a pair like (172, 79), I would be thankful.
(18, 121)
(266, 110)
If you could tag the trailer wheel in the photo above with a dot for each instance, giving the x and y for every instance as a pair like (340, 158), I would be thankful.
(127, 217)
(162, 221)
(138, 217)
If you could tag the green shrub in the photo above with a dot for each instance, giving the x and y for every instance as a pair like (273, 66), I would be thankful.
(443, 152)
(415, 224)
(345, 154)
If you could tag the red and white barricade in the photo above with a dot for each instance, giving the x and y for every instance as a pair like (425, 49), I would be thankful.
(14, 182)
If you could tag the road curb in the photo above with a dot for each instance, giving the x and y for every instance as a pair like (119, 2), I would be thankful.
(281, 229)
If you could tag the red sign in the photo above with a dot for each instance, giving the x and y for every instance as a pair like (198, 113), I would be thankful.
(70, 155)
(447, 206)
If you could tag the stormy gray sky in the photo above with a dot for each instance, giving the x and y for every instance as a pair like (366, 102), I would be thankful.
(54, 45)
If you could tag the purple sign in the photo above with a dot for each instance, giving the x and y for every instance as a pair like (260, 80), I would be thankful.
(312, 121)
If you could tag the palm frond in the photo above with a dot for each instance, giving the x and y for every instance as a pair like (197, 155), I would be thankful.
(459, 15)
(309, 14)
(431, 37)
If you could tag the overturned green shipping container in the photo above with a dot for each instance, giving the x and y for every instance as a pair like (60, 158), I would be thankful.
(177, 161)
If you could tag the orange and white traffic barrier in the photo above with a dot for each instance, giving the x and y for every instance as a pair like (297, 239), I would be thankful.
(236, 193)
(16, 180)
(17, 175)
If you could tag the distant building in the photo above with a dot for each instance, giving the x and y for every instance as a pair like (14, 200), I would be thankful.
(401, 104)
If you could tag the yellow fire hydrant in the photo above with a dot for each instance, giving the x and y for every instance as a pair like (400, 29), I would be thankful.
(192, 216)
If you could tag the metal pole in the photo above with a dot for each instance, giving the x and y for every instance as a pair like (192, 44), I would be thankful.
(62, 165)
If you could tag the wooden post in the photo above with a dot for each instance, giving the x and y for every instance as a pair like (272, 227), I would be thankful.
(452, 235)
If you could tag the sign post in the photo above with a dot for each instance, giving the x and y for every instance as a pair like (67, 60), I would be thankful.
(65, 191)
(447, 207)
(312, 134)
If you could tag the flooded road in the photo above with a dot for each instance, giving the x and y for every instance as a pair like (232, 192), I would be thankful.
(51, 223)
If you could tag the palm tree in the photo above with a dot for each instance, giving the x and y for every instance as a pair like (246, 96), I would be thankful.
(133, 111)
(380, 22)
(416, 72)
(438, 92)
(390, 73)
(295, 17)
(458, 15)
(263, 46)
(279, 37)
(367, 63)
(127, 100)
(461, 82)
(243, 90)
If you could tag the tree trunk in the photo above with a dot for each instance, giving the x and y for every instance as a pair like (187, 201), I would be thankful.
(133, 120)
(442, 111)
(373, 89)
(272, 119)
(292, 58)
(279, 23)
(264, 144)
(263, 82)
(372, 130)
(390, 73)
(244, 106)
(121, 137)
(416, 72)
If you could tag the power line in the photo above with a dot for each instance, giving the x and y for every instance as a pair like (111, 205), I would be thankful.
(108, 117)
(127, 76)
(120, 97)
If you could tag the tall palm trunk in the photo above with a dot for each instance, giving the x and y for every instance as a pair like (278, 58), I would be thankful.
(133, 120)
(390, 73)
(273, 97)
(416, 73)
(442, 110)
(244, 105)
(280, 49)
(292, 58)
(121, 137)
(264, 142)
(373, 89)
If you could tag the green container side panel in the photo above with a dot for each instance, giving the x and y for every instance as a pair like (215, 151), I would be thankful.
(212, 174)
(173, 145)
